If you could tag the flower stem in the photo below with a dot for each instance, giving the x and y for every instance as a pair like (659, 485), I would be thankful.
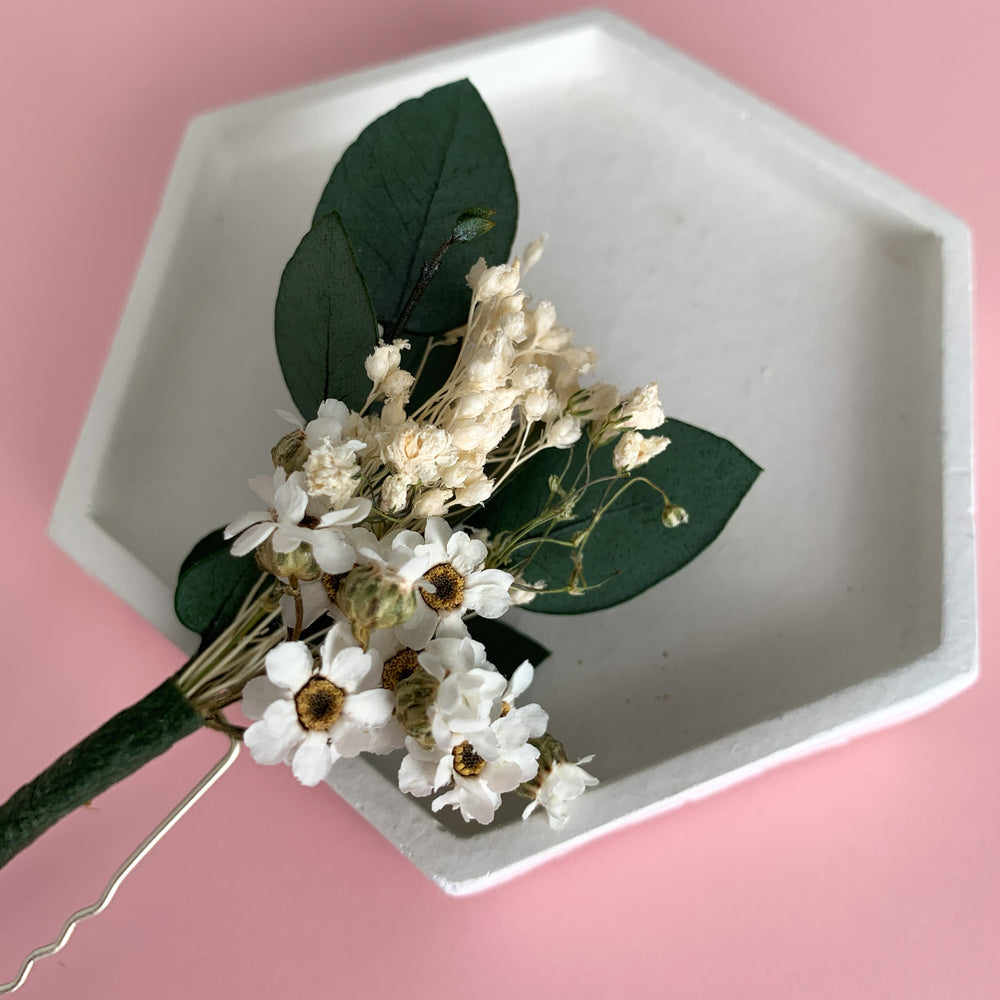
(108, 755)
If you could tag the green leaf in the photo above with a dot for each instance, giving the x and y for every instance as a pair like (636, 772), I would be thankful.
(437, 368)
(629, 549)
(211, 586)
(399, 189)
(324, 323)
(506, 648)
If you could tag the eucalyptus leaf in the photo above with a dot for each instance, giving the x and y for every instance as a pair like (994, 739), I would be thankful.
(324, 323)
(506, 648)
(630, 550)
(399, 189)
(211, 586)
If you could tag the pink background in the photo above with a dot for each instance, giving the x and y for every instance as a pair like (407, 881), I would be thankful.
(868, 872)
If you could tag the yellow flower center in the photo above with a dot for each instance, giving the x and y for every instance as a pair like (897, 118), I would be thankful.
(449, 587)
(397, 667)
(467, 762)
(319, 703)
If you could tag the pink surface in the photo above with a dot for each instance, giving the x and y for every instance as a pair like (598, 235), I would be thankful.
(869, 872)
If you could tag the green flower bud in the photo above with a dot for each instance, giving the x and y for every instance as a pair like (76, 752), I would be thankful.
(290, 453)
(414, 696)
(299, 563)
(372, 600)
(550, 752)
(674, 516)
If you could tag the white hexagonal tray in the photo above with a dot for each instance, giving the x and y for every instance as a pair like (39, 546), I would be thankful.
(785, 295)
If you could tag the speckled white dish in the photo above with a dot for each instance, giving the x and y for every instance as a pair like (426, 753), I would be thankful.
(785, 295)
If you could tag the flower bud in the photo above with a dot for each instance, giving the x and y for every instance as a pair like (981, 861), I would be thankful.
(291, 452)
(550, 752)
(674, 516)
(300, 562)
(373, 599)
(414, 696)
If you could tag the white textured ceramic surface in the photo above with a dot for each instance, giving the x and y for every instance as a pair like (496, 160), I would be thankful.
(785, 295)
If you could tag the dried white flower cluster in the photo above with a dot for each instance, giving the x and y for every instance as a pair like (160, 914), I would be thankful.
(356, 530)
(399, 668)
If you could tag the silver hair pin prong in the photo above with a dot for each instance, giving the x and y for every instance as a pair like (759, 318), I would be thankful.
(126, 867)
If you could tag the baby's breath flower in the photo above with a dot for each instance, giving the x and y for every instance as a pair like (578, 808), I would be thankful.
(564, 433)
(493, 282)
(417, 452)
(634, 450)
(398, 384)
(432, 503)
(384, 361)
(641, 409)
(474, 491)
(392, 495)
(332, 471)
(533, 253)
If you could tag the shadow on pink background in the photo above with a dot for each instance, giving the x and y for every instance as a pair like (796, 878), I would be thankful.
(869, 872)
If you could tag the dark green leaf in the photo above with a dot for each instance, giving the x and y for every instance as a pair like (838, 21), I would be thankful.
(399, 189)
(506, 648)
(324, 324)
(630, 549)
(212, 585)
(438, 367)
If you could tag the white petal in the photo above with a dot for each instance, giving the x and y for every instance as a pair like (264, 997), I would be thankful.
(505, 775)
(348, 738)
(258, 693)
(445, 771)
(264, 486)
(270, 739)
(452, 627)
(251, 538)
(477, 801)
(535, 718)
(437, 532)
(290, 501)
(466, 554)
(357, 510)
(417, 630)
(387, 738)
(416, 776)
(488, 593)
(348, 668)
(313, 760)
(245, 521)
(288, 537)
(289, 665)
(370, 709)
(290, 418)
(519, 681)
(331, 551)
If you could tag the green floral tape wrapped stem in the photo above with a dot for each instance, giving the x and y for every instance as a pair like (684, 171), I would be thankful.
(121, 746)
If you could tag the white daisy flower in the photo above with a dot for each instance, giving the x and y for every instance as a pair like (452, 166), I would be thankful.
(282, 523)
(318, 716)
(481, 767)
(561, 784)
(532, 719)
(456, 581)
(470, 686)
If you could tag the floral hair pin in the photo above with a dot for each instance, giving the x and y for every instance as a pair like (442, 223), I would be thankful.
(457, 454)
